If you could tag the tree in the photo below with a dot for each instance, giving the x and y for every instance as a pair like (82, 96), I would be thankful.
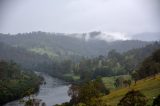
(66, 66)
(134, 76)
(73, 92)
(119, 82)
(127, 82)
(133, 98)
(87, 92)
(150, 66)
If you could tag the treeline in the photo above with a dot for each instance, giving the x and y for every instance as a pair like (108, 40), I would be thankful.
(149, 67)
(87, 94)
(90, 92)
(63, 46)
(15, 83)
(27, 60)
(113, 64)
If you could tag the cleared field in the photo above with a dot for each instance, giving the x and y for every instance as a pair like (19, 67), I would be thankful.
(150, 87)
(109, 81)
(72, 76)
(43, 51)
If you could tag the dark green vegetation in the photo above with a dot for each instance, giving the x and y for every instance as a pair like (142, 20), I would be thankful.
(70, 63)
(15, 84)
(118, 65)
(146, 91)
(142, 92)
(88, 93)
(114, 64)
(149, 86)
(133, 98)
(26, 60)
(64, 56)
(61, 47)
(150, 66)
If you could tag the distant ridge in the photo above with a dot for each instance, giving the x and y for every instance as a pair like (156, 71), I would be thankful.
(60, 44)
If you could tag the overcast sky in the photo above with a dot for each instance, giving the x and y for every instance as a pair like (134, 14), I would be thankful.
(125, 16)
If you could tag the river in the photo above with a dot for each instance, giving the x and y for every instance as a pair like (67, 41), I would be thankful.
(53, 92)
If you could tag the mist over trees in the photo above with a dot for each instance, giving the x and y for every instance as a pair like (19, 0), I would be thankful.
(26, 60)
(63, 45)
(28, 51)
(81, 62)
(79, 53)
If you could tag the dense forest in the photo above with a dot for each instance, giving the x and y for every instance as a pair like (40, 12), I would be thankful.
(16, 83)
(62, 46)
(123, 57)
(91, 92)
(94, 68)
(40, 51)
(113, 64)
(27, 60)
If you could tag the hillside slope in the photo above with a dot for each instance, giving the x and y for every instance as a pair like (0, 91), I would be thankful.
(60, 44)
(150, 87)
(26, 59)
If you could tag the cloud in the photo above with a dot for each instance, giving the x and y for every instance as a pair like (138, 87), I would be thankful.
(128, 16)
(147, 36)
(112, 36)
(98, 35)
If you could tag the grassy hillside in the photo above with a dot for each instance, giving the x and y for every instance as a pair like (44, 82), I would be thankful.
(43, 51)
(150, 87)
(109, 81)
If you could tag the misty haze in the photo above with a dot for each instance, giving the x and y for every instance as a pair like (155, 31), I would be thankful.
(79, 53)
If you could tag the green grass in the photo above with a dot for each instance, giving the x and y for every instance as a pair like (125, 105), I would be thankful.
(109, 81)
(150, 87)
(43, 51)
(74, 77)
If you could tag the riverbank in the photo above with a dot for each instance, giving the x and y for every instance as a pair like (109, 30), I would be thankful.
(53, 91)
(15, 83)
(17, 88)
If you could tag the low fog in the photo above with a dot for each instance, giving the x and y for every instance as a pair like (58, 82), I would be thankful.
(116, 19)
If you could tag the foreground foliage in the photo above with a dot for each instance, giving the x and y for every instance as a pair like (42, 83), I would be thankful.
(15, 83)
(133, 98)
(87, 94)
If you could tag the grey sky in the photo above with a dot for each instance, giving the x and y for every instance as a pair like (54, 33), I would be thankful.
(126, 16)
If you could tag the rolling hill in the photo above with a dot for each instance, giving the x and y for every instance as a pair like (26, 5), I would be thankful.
(25, 59)
(62, 45)
(150, 87)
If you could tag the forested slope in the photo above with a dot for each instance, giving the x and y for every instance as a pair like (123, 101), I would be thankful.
(25, 59)
(15, 83)
(62, 45)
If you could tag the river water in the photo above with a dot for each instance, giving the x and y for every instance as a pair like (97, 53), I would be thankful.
(53, 92)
